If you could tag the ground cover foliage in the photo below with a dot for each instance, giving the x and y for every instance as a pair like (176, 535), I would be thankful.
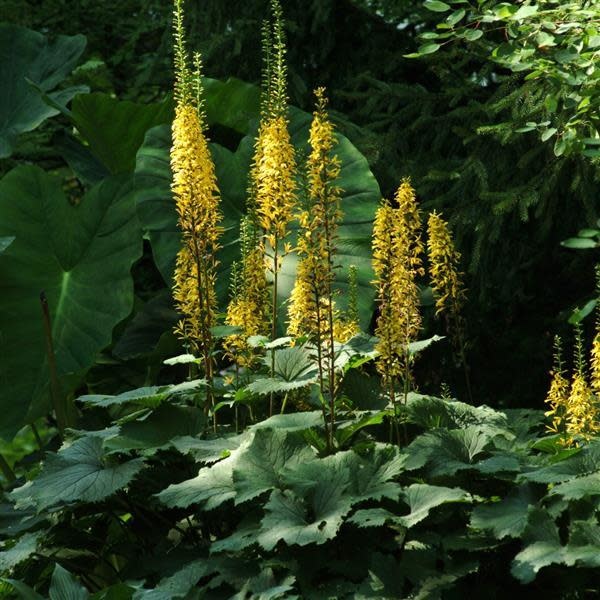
(310, 446)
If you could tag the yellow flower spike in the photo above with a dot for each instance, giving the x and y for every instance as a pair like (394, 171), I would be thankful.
(444, 261)
(397, 293)
(275, 180)
(557, 398)
(312, 310)
(595, 363)
(410, 216)
(582, 420)
(196, 195)
(595, 357)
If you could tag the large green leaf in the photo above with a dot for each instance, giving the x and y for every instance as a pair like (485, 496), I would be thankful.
(28, 55)
(80, 256)
(155, 205)
(103, 120)
(78, 472)
(24, 547)
(65, 586)
(508, 517)
(445, 452)
(293, 368)
(422, 498)
(259, 468)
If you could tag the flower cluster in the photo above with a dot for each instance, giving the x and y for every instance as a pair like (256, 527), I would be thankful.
(574, 409)
(312, 311)
(197, 200)
(397, 262)
(444, 260)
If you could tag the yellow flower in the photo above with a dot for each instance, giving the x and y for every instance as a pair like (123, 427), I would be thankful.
(582, 410)
(312, 309)
(196, 197)
(249, 306)
(274, 176)
(444, 260)
(595, 362)
(410, 217)
(558, 399)
(397, 292)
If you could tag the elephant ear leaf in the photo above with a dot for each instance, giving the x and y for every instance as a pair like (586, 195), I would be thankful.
(80, 256)
(32, 66)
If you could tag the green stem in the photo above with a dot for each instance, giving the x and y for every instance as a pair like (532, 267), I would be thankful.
(58, 400)
(6, 470)
(274, 317)
(36, 435)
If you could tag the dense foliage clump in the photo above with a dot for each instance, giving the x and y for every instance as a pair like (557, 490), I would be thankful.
(243, 359)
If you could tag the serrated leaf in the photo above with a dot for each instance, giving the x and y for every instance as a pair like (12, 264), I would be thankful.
(210, 488)
(372, 517)
(506, 518)
(207, 451)
(534, 557)
(585, 462)
(79, 472)
(24, 547)
(302, 521)
(179, 584)
(291, 421)
(422, 498)
(157, 430)
(259, 467)
(146, 397)
(578, 487)
(447, 452)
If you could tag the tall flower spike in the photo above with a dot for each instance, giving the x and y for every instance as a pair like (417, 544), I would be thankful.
(312, 309)
(595, 358)
(196, 196)
(582, 410)
(248, 307)
(444, 263)
(558, 395)
(410, 217)
(397, 293)
(273, 172)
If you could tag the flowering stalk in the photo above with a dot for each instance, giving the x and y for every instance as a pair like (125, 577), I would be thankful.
(397, 250)
(197, 203)
(248, 307)
(582, 409)
(447, 285)
(274, 166)
(312, 309)
(558, 396)
(595, 358)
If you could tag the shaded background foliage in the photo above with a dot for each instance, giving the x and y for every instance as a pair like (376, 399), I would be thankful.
(445, 120)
